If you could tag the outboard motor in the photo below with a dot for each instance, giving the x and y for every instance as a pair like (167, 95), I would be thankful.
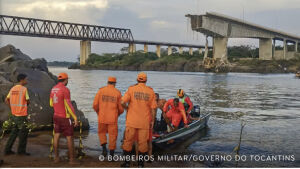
(196, 111)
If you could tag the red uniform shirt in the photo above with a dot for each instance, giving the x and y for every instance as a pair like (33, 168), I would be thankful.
(60, 100)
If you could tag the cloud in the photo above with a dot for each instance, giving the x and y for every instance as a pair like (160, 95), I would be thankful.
(154, 20)
(157, 24)
(61, 5)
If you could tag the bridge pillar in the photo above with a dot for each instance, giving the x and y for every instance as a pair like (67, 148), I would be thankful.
(265, 49)
(191, 51)
(220, 47)
(180, 50)
(200, 51)
(158, 50)
(169, 50)
(145, 48)
(296, 46)
(131, 48)
(284, 49)
(85, 51)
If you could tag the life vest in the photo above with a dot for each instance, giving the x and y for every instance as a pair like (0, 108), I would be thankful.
(182, 100)
(18, 102)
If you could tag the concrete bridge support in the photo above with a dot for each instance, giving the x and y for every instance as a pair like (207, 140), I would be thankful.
(131, 48)
(191, 51)
(145, 48)
(220, 47)
(200, 51)
(180, 50)
(158, 50)
(284, 49)
(85, 51)
(265, 49)
(169, 50)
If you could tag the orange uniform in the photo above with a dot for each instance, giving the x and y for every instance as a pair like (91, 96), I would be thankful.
(18, 99)
(107, 104)
(175, 114)
(141, 99)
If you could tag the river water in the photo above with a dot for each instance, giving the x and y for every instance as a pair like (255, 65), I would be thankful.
(268, 105)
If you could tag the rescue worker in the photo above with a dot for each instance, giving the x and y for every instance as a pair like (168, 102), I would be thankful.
(185, 100)
(107, 104)
(18, 100)
(141, 104)
(175, 112)
(60, 100)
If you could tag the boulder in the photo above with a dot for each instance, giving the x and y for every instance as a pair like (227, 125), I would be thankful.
(40, 83)
(10, 53)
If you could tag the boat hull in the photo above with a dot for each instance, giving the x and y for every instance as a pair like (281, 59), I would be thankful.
(180, 134)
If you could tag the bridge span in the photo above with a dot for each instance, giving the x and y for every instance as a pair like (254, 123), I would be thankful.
(221, 27)
(32, 27)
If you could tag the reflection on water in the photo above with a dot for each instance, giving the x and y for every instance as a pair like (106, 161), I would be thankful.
(269, 104)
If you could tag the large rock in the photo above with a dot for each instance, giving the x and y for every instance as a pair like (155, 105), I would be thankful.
(40, 83)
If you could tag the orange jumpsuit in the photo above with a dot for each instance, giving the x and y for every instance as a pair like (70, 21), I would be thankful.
(175, 114)
(141, 99)
(107, 104)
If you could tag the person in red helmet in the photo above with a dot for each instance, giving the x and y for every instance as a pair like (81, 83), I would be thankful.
(60, 100)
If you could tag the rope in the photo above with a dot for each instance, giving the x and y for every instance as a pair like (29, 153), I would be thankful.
(81, 154)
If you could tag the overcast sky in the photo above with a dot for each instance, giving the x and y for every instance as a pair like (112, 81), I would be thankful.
(157, 20)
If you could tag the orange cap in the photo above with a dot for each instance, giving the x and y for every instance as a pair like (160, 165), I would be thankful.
(142, 77)
(62, 76)
(112, 79)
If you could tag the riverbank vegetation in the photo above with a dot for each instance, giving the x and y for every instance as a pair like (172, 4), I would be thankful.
(241, 58)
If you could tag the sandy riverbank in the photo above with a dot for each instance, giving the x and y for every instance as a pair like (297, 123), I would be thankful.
(39, 144)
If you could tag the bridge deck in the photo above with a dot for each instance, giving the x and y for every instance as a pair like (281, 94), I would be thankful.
(21, 26)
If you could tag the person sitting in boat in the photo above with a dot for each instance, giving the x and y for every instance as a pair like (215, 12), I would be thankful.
(160, 125)
(175, 113)
(186, 101)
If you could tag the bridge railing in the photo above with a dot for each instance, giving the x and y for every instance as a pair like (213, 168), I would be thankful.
(12, 25)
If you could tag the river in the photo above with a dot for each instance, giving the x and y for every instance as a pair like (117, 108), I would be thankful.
(269, 105)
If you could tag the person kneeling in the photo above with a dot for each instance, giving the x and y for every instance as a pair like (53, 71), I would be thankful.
(174, 112)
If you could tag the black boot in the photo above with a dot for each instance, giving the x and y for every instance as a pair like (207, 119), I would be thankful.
(112, 152)
(104, 150)
(126, 163)
(141, 159)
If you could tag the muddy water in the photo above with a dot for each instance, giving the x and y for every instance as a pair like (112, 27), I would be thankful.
(269, 105)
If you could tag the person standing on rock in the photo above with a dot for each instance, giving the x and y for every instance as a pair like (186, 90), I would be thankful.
(18, 100)
(60, 100)
(107, 104)
(141, 104)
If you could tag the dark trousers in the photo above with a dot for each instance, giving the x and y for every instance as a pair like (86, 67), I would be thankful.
(19, 128)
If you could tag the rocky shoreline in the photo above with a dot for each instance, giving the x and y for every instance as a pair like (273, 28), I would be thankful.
(40, 82)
